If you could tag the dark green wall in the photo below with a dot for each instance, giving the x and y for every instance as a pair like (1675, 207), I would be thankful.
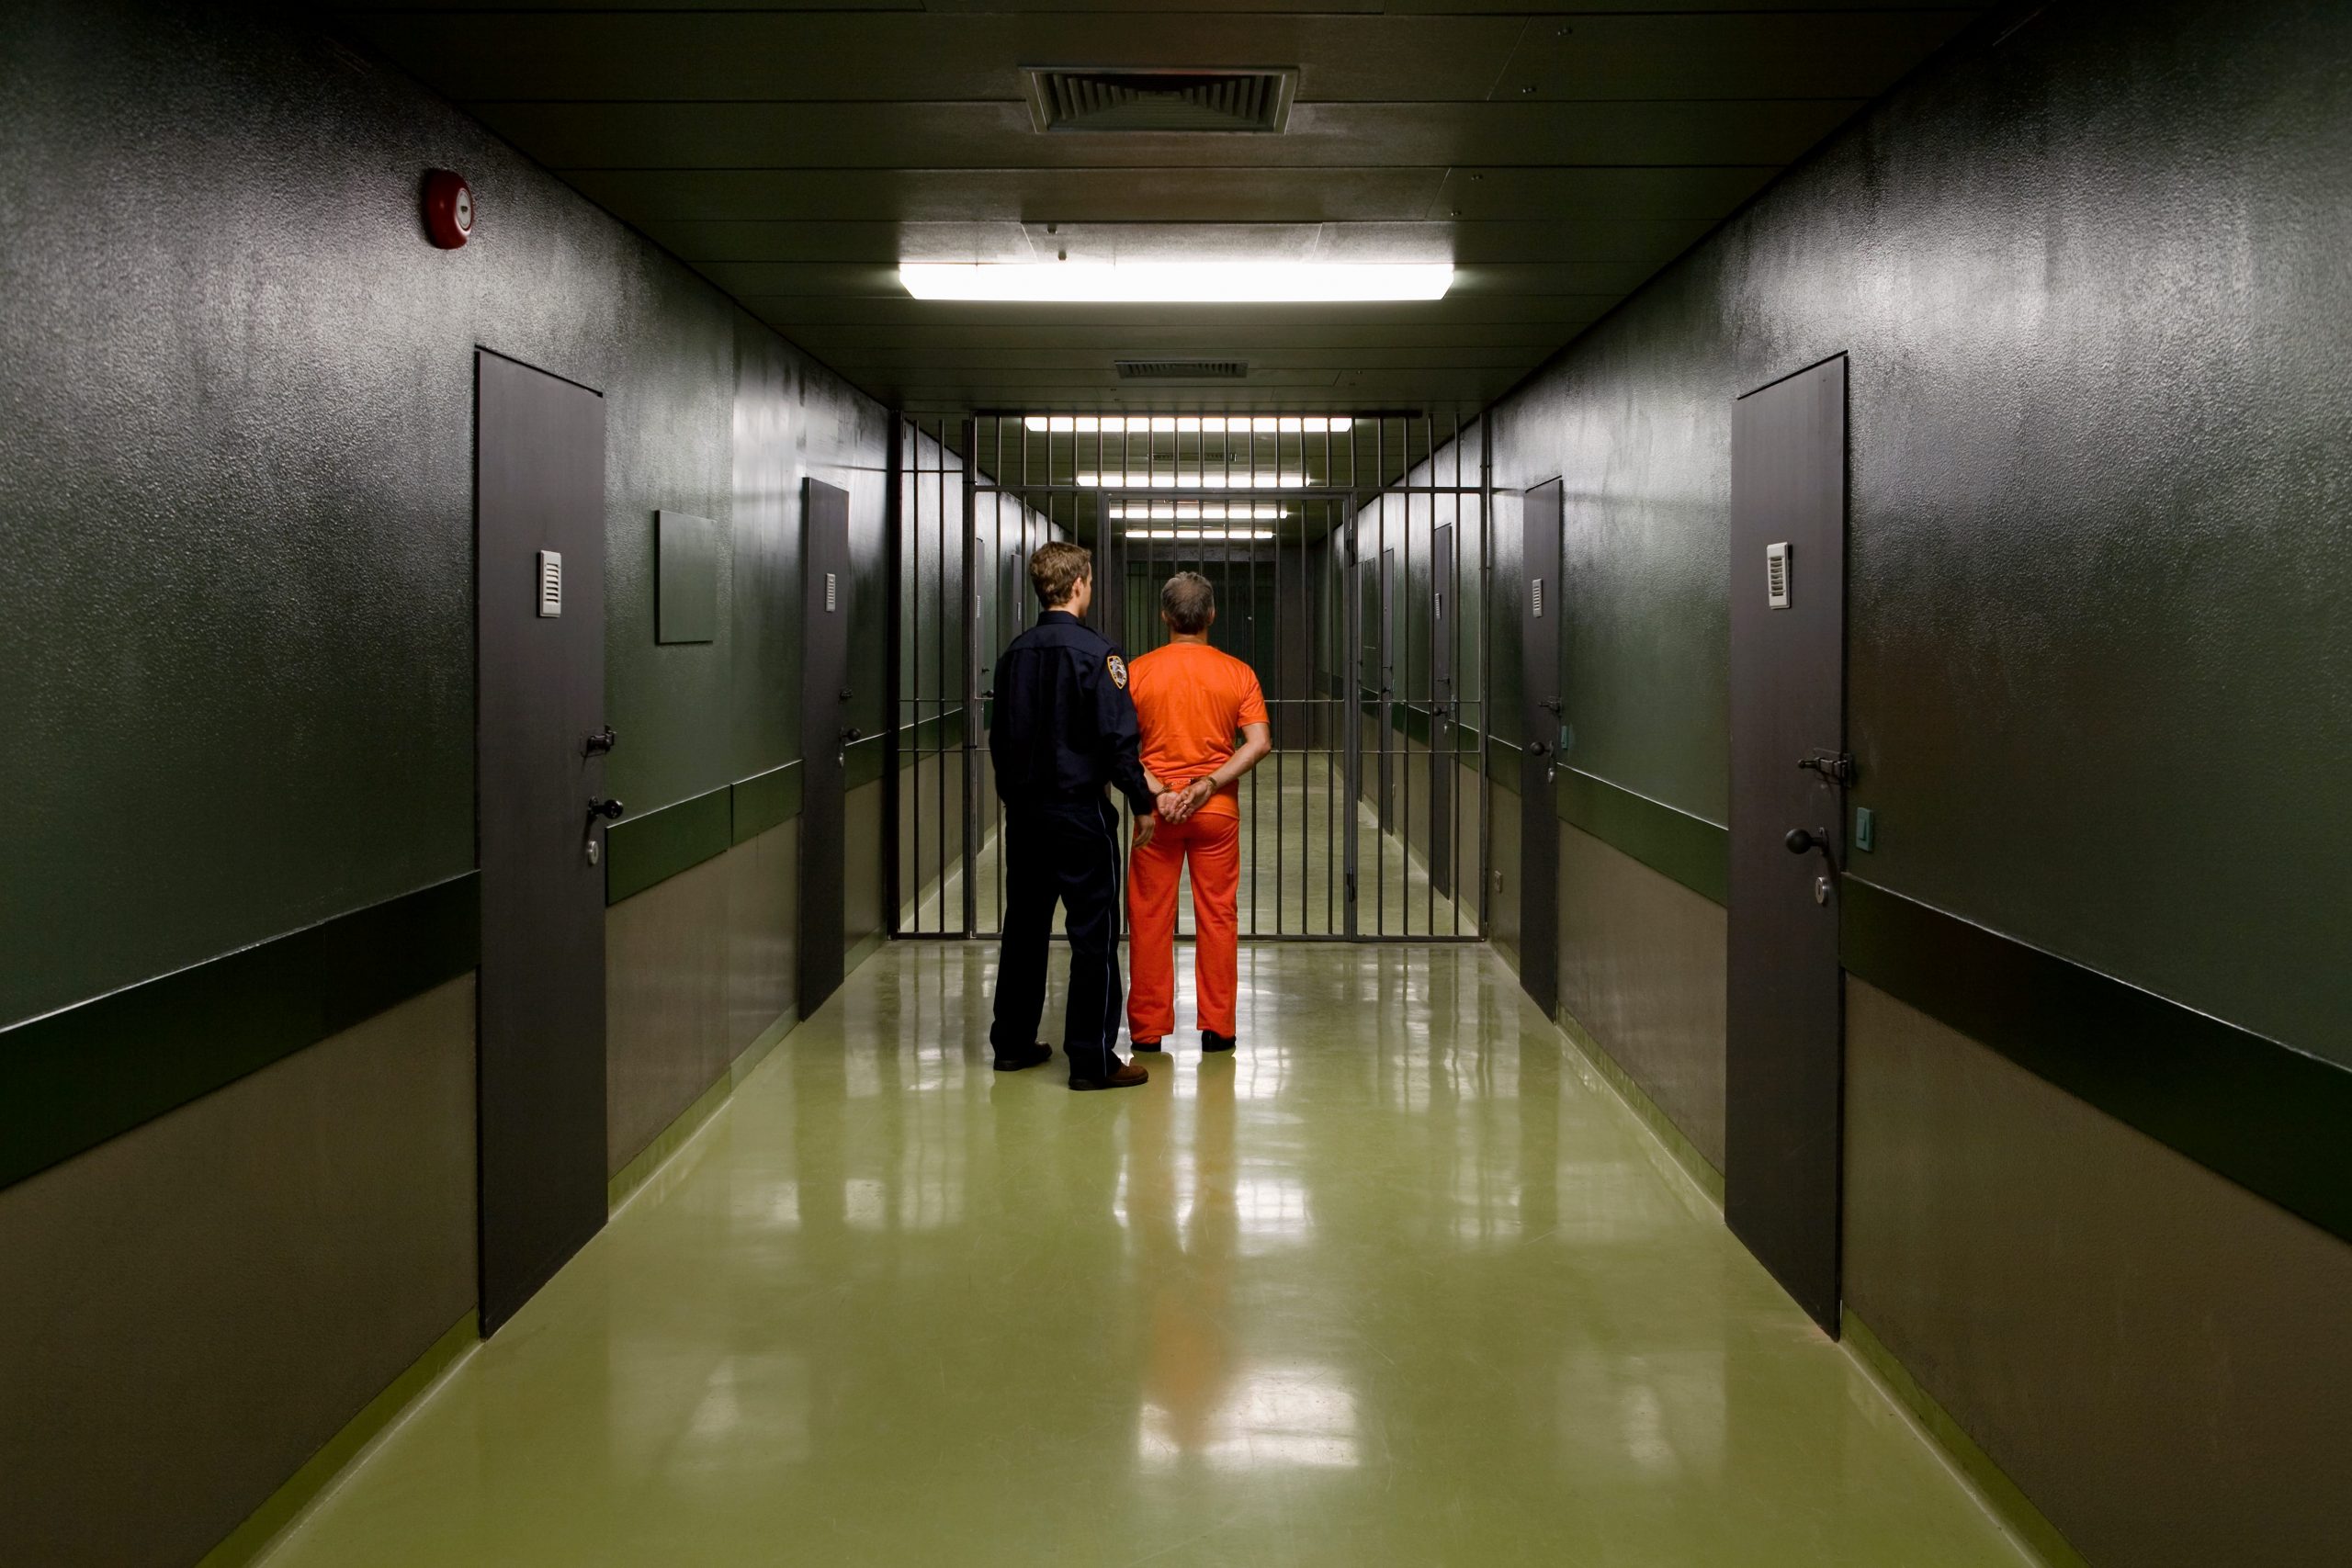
(2092, 284)
(236, 608)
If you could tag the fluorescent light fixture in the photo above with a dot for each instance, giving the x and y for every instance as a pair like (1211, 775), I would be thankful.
(1198, 510)
(1176, 282)
(1210, 535)
(1192, 480)
(1214, 424)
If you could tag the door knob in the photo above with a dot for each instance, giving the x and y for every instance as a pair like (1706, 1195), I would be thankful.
(851, 733)
(1799, 842)
(607, 809)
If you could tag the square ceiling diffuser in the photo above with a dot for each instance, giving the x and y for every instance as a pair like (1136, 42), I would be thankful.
(1161, 99)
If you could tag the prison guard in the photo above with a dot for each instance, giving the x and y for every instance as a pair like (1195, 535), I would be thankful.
(1065, 727)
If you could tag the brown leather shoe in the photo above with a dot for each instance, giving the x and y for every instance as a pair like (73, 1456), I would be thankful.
(1123, 1075)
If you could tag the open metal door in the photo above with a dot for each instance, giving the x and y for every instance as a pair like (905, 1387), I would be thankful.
(1785, 1041)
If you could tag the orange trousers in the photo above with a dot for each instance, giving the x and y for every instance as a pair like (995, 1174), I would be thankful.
(1211, 845)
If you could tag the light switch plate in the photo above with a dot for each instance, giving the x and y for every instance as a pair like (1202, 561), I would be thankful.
(1865, 826)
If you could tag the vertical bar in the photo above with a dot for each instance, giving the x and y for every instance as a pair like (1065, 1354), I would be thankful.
(1486, 662)
(894, 521)
(1455, 679)
(1273, 711)
(970, 596)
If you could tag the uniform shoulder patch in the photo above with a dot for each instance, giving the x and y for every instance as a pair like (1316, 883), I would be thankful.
(1118, 669)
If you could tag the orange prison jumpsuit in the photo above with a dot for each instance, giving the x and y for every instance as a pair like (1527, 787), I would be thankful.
(1191, 702)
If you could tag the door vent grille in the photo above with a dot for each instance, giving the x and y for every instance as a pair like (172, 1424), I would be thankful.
(1183, 370)
(550, 584)
(1161, 100)
(1776, 576)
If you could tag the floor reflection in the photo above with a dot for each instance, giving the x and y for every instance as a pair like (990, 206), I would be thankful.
(1398, 1284)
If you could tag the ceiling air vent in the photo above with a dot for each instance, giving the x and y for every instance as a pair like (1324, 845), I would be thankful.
(1161, 100)
(1183, 370)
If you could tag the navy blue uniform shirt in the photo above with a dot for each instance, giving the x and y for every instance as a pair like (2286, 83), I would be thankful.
(1064, 724)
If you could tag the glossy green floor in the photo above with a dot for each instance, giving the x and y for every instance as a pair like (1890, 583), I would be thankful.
(1402, 1284)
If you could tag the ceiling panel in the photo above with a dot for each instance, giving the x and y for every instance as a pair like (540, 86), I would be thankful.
(795, 154)
(1342, 58)
(998, 136)
(1586, 240)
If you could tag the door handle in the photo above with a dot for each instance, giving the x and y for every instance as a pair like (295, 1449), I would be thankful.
(596, 745)
(609, 810)
(851, 733)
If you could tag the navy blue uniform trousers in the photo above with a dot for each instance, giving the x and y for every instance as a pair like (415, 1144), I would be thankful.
(1065, 852)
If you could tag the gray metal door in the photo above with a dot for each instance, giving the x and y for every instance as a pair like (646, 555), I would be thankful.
(539, 739)
(1440, 768)
(1786, 1025)
(825, 732)
(1539, 823)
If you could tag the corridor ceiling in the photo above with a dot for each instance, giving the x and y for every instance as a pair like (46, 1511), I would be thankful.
(1558, 156)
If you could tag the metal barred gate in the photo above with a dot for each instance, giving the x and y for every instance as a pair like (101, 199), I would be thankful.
(1350, 554)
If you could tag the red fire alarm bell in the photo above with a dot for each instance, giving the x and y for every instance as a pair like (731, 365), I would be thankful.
(449, 209)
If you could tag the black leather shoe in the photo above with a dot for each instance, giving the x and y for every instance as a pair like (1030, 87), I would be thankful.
(1212, 1042)
(1017, 1060)
(1147, 1044)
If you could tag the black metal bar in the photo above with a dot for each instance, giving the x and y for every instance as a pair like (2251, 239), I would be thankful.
(1485, 665)
(893, 520)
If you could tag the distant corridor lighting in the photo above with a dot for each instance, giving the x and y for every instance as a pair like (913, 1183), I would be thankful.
(1203, 510)
(1203, 534)
(1193, 480)
(1214, 424)
(1177, 282)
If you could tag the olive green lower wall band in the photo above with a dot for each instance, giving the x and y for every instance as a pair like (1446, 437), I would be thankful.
(642, 850)
(2260, 1112)
(766, 800)
(1691, 850)
(674, 1137)
(76, 1077)
(248, 1540)
(861, 762)
(2009, 1502)
(1653, 1115)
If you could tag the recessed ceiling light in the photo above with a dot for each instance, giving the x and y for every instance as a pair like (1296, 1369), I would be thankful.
(1206, 511)
(1203, 534)
(1214, 424)
(1177, 283)
(1193, 480)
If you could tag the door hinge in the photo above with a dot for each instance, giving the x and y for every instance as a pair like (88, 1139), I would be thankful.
(1835, 767)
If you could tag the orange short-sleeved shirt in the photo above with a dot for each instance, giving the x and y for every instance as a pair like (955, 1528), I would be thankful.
(1193, 701)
